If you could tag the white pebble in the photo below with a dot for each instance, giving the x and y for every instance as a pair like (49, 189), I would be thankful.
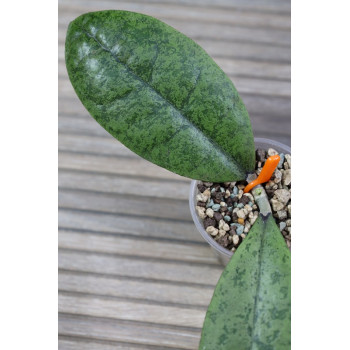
(289, 160)
(241, 214)
(223, 204)
(289, 208)
(212, 230)
(206, 194)
(226, 227)
(210, 212)
(208, 184)
(287, 177)
(271, 152)
(289, 222)
(201, 212)
(282, 196)
(227, 194)
(278, 176)
(235, 239)
(276, 205)
(222, 233)
(282, 214)
(221, 224)
(250, 196)
(240, 194)
(248, 207)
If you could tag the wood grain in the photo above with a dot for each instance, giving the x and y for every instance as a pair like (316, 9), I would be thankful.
(134, 273)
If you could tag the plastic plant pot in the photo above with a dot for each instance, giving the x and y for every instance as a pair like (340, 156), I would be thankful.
(223, 253)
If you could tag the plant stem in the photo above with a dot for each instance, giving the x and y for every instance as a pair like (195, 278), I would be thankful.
(260, 196)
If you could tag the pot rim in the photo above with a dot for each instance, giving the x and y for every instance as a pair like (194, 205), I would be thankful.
(193, 191)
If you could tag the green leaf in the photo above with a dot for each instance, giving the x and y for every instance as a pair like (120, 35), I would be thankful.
(250, 308)
(160, 94)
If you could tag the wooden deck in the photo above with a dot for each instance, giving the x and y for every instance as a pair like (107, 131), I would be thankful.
(133, 271)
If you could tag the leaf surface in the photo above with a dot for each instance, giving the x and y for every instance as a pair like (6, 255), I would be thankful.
(250, 308)
(160, 94)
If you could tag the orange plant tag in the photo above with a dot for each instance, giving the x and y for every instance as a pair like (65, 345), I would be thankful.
(266, 172)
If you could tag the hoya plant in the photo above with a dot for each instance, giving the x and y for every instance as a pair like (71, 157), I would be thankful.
(162, 96)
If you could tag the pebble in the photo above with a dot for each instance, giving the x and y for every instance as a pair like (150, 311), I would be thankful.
(212, 230)
(208, 184)
(222, 189)
(235, 239)
(241, 214)
(218, 216)
(248, 208)
(283, 196)
(221, 224)
(280, 164)
(210, 212)
(240, 221)
(201, 212)
(216, 207)
(278, 176)
(282, 214)
(276, 205)
(271, 152)
(210, 204)
(286, 165)
(289, 209)
(282, 225)
(239, 230)
(289, 160)
(206, 194)
(288, 222)
(235, 191)
(260, 155)
(240, 194)
(227, 194)
(226, 227)
(223, 204)
(240, 205)
(222, 233)
(287, 177)
(227, 218)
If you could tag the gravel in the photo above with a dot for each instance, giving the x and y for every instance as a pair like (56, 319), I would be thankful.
(228, 214)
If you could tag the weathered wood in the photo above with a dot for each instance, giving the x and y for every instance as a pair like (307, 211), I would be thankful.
(78, 343)
(133, 332)
(215, 31)
(97, 306)
(125, 288)
(169, 271)
(125, 204)
(99, 243)
(127, 224)
(124, 185)
(218, 15)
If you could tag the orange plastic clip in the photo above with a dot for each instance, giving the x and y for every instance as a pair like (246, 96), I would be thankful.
(266, 172)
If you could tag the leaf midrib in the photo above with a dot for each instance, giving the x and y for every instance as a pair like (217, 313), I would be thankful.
(257, 293)
(228, 156)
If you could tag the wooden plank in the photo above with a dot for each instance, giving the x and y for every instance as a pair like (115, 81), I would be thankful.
(97, 306)
(243, 84)
(75, 343)
(98, 145)
(273, 6)
(125, 204)
(208, 30)
(68, 10)
(124, 185)
(168, 271)
(135, 333)
(109, 244)
(125, 288)
(121, 166)
(132, 225)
